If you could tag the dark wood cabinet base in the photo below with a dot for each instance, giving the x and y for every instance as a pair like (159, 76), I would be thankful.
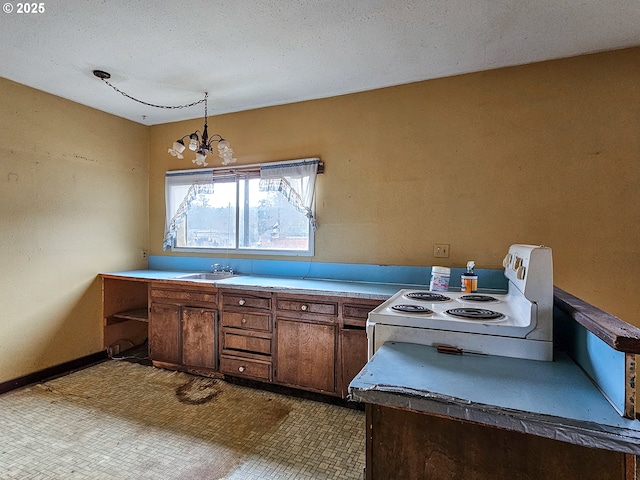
(311, 342)
(407, 445)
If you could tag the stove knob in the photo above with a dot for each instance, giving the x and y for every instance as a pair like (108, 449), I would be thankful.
(517, 263)
(520, 272)
(507, 260)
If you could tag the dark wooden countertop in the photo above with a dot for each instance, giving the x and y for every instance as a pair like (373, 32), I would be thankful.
(615, 332)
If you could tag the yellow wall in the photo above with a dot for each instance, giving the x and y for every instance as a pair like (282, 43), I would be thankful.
(546, 153)
(74, 202)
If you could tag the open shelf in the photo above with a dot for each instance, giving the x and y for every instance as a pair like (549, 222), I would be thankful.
(139, 314)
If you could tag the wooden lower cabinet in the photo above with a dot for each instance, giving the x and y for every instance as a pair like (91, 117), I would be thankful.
(199, 337)
(311, 342)
(246, 334)
(306, 355)
(353, 339)
(183, 335)
(353, 349)
(183, 330)
(408, 445)
(125, 313)
(164, 333)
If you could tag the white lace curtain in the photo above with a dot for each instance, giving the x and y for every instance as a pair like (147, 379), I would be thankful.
(194, 183)
(296, 180)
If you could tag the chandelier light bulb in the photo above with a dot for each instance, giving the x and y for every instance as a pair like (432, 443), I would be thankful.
(223, 146)
(227, 159)
(193, 143)
(200, 158)
(178, 148)
(225, 152)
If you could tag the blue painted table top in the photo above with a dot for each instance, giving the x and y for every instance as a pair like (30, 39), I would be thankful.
(550, 399)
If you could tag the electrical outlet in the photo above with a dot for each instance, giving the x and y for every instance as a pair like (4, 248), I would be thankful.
(441, 250)
(143, 254)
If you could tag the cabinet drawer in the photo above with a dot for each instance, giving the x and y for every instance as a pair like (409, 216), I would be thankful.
(236, 340)
(307, 306)
(356, 313)
(183, 297)
(246, 301)
(243, 367)
(360, 311)
(250, 321)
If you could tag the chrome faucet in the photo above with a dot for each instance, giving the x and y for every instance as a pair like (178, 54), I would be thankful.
(217, 268)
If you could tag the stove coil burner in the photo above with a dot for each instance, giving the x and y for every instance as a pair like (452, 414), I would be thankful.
(411, 309)
(478, 298)
(474, 314)
(427, 296)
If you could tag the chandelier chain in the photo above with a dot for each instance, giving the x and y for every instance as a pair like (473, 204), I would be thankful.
(169, 107)
(200, 142)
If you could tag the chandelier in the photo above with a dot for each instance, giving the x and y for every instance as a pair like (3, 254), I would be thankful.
(202, 144)
(199, 141)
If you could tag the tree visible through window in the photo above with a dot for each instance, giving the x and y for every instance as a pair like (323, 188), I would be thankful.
(210, 222)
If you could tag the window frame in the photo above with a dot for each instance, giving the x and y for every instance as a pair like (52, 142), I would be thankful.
(238, 174)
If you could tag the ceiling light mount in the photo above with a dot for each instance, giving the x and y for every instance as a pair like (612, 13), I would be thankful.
(199, 142)
(102, 75)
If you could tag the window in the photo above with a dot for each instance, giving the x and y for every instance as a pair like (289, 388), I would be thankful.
(246, 209)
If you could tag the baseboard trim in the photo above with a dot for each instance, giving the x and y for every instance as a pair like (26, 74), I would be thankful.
(294, 392)
(55, 371)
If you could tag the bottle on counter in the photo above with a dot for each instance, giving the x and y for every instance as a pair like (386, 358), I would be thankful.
(469, 280)
(440, 279)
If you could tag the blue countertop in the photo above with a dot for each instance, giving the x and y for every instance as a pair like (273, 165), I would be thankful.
(365, 290)
(549, 399)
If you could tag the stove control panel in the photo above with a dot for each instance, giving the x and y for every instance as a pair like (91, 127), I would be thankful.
(515, 263)
(529, 268)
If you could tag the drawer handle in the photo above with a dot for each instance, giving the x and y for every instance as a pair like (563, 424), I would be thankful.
(241, 301)
(241, 369)
(244, 320)
(304, 308)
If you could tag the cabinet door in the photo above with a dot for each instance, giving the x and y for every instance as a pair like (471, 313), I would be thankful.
(354, 355)
(164, 333)
(306, 355)
(199, 337)
(413, 445)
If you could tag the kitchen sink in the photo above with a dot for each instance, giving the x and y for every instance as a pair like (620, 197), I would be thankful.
(205, 276)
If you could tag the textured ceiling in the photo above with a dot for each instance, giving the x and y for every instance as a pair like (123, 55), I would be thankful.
(250, 53)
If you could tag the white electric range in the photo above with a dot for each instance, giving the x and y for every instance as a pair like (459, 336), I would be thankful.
(516, 324)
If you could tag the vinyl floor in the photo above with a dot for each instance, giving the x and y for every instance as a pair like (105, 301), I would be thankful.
(130, 421)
